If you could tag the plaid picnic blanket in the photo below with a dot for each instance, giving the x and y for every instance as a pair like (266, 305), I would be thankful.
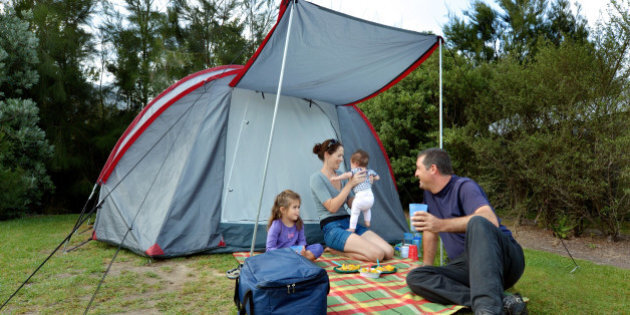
(350, 293)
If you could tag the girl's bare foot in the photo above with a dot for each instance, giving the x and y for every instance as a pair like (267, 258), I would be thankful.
(308, 254)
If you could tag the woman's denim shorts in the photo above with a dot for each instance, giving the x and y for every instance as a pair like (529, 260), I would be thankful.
(336, 234)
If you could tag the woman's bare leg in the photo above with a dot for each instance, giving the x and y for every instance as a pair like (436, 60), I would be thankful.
(376, 240)
(358, 247)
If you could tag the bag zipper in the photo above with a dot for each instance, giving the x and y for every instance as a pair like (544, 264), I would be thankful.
(289, 286)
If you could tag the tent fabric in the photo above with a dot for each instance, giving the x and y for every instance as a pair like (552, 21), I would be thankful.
(157, 106)
(356, 133)
(186, 175)
(190, 182)
(333, 57)
(166, 183)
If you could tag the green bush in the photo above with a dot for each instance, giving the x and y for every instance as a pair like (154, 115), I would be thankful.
(551, 139)
(23, 150)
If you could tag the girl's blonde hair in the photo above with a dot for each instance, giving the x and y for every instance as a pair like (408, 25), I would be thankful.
(284, 199)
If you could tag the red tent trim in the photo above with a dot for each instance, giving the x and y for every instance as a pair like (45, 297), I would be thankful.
(378, 140)
(154, 250)
(237, 79)
(403, 74)
(115, 155)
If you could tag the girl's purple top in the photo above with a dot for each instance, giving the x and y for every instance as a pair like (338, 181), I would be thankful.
(281, 236)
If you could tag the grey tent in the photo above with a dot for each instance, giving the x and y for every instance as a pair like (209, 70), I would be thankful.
(186, 175)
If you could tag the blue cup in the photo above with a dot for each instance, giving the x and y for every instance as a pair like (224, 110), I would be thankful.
(413, 208)
(408, 238)
(417, 240)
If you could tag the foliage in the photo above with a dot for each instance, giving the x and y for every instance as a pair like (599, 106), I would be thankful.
(259, 17)
(18, 57)
(23, 150)
(138, 47)
(517, 29)
(551, 138)
(23, 146)
(155, 49)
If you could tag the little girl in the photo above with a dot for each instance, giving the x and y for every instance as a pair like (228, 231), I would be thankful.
(285, 227)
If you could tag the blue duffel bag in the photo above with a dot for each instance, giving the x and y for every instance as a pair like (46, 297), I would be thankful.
(281, 282)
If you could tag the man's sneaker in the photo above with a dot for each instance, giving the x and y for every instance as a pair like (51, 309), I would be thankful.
(514, 305)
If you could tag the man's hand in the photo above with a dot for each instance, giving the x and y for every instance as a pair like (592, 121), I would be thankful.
(424, 221)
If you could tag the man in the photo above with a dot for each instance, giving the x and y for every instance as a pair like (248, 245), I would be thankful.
(484, 258)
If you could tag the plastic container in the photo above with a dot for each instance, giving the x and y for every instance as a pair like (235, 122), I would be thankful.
(297, 248)
(417, 240)
(404, 251)
(413, 207)
(397, 249)
(370, 273)
(413, 252)
(408, 238)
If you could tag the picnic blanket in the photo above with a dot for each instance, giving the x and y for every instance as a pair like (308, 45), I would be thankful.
(350, 293)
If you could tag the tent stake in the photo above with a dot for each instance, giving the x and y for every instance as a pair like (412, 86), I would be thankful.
(273, 124)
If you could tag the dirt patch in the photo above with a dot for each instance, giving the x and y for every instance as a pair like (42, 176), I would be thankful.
(173, 273)
(597, 249)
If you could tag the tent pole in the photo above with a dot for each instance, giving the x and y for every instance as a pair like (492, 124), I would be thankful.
(80, 216)
(441, 128)
(441, 132)
(227, 188)
(273, 124)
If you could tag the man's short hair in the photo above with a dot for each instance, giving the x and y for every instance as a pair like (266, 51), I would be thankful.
(438, 157)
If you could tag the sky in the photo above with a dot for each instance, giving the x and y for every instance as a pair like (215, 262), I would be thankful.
(430, 15)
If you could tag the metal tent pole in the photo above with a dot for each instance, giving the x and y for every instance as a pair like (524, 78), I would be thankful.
(441, 132)
(273, 123)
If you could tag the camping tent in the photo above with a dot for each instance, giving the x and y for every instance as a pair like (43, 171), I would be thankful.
(186, 175)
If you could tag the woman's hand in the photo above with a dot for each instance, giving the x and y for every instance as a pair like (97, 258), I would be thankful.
(357, 178)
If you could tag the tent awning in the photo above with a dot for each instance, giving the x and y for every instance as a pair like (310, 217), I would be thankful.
(334, 57)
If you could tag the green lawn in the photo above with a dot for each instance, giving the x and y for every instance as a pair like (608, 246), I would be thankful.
(198, 284)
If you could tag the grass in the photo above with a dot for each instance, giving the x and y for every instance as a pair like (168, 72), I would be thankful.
(198, 284)
(67, 281)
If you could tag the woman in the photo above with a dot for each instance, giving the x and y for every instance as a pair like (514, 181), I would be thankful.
(330, 197)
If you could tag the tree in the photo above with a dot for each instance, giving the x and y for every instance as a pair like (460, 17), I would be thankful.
(138, 43)
(259, 17)
(209, 32)
(477, 39)
(23, 145)
(18, 56)
(517, 29)
(65, 97)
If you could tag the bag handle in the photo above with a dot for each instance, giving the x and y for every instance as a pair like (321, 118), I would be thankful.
(237, 302)
(247, 297)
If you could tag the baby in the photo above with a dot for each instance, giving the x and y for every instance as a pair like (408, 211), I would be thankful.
(363, 197)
